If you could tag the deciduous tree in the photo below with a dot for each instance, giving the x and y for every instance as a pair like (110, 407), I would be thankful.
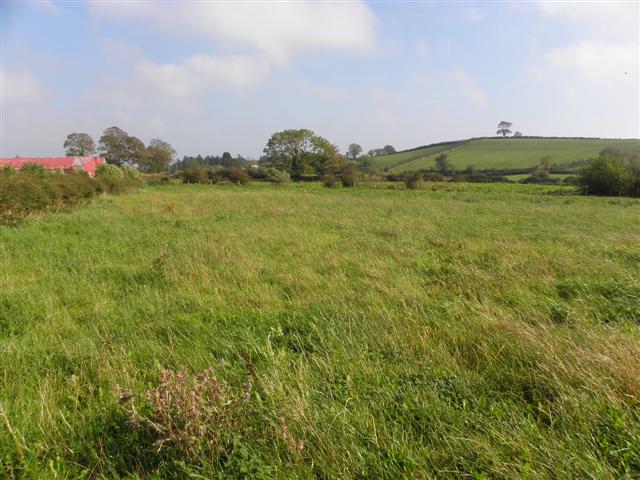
(504, 128)
(354, 151)
(79, 144)
(157, 156)
(120, 148)
(299, 152)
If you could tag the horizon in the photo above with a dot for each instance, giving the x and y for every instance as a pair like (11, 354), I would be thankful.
(407, 75)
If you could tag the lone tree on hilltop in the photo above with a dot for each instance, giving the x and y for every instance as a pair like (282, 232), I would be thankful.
(504, 128)
(79, 145)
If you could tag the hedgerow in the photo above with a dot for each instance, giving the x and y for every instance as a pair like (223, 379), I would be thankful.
(32, 190)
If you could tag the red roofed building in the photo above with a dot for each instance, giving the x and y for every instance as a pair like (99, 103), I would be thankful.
(65, 164)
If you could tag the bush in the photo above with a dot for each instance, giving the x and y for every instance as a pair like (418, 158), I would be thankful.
(606, 175)
(25, 192)
(413, 180)
(540, 175)
(195, 173)
(277, 176)
(113, 179)
(349, 176)
(329, 180)
(34, 169)
(110, 169)
(237, 176)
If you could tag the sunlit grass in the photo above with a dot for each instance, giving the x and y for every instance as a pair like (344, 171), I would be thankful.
(486, 330)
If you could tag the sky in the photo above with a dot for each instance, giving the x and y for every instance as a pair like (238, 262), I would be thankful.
(212, 77)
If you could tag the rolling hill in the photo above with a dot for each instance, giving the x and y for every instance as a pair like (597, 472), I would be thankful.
(503, 153)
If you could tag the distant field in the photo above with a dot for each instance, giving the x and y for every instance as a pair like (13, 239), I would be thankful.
(477, 331)
(502, 153)
(559, 176)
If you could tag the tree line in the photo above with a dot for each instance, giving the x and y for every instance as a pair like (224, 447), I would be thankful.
(121, 149)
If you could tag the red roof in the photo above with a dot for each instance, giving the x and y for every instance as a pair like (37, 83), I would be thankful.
(88, 164)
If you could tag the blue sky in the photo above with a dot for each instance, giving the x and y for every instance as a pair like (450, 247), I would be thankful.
(214, 77)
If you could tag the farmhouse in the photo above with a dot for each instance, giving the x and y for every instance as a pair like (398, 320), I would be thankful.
(65, 164)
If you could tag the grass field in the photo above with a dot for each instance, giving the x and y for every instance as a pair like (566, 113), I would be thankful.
(557, 176)
(466, 333)
(504, 153)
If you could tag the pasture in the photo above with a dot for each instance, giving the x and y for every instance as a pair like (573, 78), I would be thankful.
(504, 153)
(478, 331)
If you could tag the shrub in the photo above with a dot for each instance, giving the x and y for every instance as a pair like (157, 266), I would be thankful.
(190, 415)
(237, 176)
(110, 169)
(540, 175)
(7, 170)
(329, 180)
(23, 193)
(195, 173)
(605, 175)
(349, 176)
(277, 176)
(34, 169)
(413, 180)
(113, 179)
(130, 171)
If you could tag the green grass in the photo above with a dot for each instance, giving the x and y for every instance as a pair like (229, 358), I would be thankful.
(504, 153)
(558, 176)
(475, 332)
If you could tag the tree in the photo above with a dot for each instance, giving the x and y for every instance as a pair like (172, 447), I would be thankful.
(413, 180)
(119, 148)
(157, 156)
(354, 151)
(504, 128)
(517, 134)
(388, 149)
(378, 152)
(606, 175)
(79, 145)
(300, 151)
(195, 173)
(443, 166)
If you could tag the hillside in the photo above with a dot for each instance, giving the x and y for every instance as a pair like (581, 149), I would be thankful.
(503, 153)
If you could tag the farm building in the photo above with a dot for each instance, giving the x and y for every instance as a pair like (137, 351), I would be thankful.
(88, 164)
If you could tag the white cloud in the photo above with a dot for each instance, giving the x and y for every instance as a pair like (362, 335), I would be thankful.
(469, 88)
(595, 61)
(21, 86)
(616, 19)
(321, 91)
(179, 82)
(279, 30)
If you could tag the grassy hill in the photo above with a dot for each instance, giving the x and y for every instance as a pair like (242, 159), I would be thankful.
(503, 153)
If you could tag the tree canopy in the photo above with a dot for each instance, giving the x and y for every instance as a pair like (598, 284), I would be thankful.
(157, 156)
(120, 148)
(79, 144)
(504, 128)
(300, 152)
(354, 151)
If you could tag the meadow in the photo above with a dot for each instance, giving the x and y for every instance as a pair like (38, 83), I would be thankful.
(504, 153)
(477, 331)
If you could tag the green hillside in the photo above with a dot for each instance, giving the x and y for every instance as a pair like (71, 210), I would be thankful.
(503, 153)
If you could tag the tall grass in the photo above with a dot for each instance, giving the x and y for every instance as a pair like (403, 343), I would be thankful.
(385, 334)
